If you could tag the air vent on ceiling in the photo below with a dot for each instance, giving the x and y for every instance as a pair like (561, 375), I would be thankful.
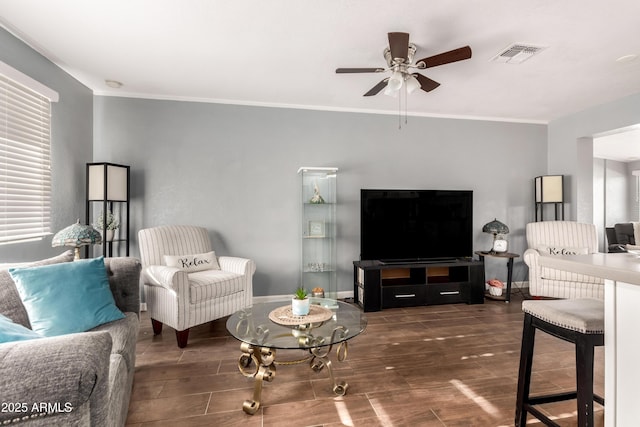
(517, 53)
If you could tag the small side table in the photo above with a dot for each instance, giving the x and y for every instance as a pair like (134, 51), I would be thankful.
(510, 256)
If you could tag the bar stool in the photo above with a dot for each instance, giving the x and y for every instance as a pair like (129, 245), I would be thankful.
(579, 321)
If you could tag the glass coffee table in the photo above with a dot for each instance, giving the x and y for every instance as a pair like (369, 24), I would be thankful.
(267, 327)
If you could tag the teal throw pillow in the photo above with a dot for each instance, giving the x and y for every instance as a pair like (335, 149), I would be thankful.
(66, 298)
(10, 331)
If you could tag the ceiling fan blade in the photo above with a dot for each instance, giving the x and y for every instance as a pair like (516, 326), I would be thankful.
(377, 88)
(359, 70)
(446, 57)
(426, 84)
(399, 45)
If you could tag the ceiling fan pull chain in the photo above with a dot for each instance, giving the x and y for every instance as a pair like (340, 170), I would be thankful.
(400, 110)
(406, 103)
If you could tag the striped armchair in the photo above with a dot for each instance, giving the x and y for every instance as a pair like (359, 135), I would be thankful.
(558, 238)
(181, 297)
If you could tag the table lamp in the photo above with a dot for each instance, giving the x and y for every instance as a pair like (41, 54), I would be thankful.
(498, 229)
(77, 235)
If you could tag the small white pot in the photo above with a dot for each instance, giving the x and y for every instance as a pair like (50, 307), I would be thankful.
(300, 307)
(495, 291)
(110, 234)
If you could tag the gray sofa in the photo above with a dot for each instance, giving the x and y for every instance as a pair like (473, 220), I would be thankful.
(82, 379)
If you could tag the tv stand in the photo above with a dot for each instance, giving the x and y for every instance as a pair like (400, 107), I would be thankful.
(416, 261)
(401, 283)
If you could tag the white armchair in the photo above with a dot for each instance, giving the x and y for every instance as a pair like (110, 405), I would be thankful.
(190, 294)
(558, 238)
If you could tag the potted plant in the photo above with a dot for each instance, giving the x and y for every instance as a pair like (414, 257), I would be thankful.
(111, 223)
(300, 302)
(495, 287)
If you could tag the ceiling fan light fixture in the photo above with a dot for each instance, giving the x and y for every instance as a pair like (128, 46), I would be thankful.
(395, 81)
(391, 92)
(412, 83)
(399, 56)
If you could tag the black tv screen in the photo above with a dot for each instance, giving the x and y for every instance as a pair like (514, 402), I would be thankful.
(415, 225)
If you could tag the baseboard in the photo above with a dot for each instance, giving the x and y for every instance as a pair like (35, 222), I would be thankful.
(273, 298)
(341, 295)
(520, 284)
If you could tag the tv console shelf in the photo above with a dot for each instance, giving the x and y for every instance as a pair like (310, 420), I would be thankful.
(378, 285)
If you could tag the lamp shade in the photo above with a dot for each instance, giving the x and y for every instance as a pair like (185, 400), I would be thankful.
(412, 83)
(394, 84)
(109, 178)
(495, 227)
(76, 235)
(549, 189)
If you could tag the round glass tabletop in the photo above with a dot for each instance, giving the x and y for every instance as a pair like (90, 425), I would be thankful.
(253, 326)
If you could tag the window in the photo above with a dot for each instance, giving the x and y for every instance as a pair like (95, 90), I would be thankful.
(25, 162)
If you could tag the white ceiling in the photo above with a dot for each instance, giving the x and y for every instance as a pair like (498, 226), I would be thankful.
(284, 52)
(622, 145)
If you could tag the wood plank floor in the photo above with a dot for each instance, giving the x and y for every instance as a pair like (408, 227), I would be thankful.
(446, 365)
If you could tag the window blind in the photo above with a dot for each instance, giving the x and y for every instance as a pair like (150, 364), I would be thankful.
(25, 162)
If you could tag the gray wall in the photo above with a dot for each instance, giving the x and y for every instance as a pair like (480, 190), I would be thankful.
(233, 170)
(616, 198)
(71, 144)
(571, 149)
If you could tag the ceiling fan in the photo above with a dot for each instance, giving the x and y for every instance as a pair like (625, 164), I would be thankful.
(399, 57)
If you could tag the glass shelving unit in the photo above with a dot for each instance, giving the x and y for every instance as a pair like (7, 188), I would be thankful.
(318, 229)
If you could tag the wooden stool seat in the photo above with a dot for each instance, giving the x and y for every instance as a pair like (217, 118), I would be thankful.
(579, 321)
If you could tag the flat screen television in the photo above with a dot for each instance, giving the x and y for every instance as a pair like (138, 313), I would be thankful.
(416, 225)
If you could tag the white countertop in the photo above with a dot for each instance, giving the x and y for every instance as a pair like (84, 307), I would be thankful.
(621, 267)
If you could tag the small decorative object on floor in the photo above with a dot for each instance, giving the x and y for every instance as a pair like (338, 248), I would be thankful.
(495, 287)
(317, 198)
(300, 302)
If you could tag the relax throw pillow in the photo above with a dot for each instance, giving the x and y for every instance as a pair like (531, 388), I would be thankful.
(66, 298)
(560, 250)
(10, 331)
(193, 263)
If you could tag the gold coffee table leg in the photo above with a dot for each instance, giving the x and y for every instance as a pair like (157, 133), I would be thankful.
(264, 369)
(264, 365)
(321, 359)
